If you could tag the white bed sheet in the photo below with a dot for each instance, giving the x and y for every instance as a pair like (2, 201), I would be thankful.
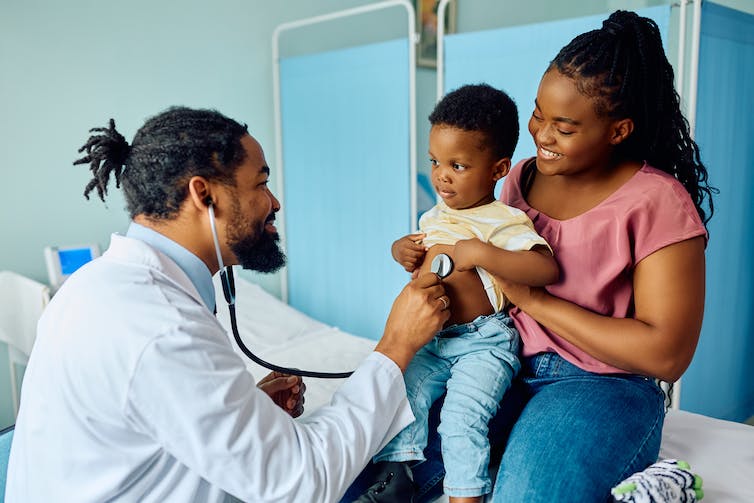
(721, 452)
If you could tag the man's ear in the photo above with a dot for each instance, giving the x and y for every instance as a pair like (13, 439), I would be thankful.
(200, 192)
(501, 168)
(622, 129)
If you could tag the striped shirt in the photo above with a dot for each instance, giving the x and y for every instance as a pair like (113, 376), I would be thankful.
(499, 224)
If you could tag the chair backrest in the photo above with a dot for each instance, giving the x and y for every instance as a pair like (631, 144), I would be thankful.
(22, 301)
(6, 437)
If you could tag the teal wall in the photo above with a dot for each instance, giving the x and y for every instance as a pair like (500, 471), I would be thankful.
(69, 66)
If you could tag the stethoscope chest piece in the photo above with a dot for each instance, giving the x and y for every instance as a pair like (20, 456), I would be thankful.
(442, 265)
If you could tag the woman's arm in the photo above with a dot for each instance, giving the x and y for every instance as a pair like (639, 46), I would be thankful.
(661, 338)
(535, 267)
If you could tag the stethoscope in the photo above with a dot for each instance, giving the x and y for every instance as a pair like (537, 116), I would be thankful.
(442, 265)
(229, 291)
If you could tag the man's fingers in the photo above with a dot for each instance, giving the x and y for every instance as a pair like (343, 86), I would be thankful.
(297, 411)
(428, 280)
(282, 383)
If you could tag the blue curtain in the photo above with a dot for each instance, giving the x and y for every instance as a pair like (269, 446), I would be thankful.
(720, 381)
(515, 58)
(345, 118)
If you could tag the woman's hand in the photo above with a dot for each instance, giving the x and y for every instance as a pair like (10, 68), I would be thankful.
(519, 294)
(409, 251)
(659, 339)
(286, 391)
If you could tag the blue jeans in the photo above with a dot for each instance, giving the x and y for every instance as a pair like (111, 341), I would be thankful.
(571, 436)
(473, 364)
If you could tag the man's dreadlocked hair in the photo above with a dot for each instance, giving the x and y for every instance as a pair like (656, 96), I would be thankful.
(166, 152)
(623, 68)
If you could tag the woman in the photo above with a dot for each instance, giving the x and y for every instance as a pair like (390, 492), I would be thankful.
(618, 190)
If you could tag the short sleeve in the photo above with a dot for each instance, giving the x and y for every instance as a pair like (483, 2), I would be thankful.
(510, 193)
(517, 234)
(662, 215)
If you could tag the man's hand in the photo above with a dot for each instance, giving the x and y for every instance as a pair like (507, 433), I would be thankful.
(419, 311)
(409, 252)
(286, 391)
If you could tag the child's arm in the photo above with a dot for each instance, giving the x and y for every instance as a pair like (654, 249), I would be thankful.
(535, 267)
(409, 251)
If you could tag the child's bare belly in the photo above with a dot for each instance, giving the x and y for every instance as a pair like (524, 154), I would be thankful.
(468, 300)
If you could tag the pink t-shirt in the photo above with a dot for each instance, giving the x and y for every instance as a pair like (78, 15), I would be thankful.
(598, 250)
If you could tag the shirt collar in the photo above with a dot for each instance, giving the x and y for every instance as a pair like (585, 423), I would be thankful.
(193, 266)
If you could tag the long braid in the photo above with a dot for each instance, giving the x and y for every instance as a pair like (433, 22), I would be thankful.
(105, 153)
(623, 67)
(169, 149)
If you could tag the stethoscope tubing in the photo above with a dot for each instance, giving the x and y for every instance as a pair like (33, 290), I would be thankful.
(442, 265)
(229, 291)
(226, 278)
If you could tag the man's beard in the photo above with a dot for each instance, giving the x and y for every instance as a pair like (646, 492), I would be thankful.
(257, 251)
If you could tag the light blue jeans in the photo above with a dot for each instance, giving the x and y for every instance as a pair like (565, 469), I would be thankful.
(473, 365)
(571, 436)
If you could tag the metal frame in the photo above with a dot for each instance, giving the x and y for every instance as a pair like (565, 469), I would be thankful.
(693, 82)
(693, 78)
(16, 358)
(442, 10)
(412, 37)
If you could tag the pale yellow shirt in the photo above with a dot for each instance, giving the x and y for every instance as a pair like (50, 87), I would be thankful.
(499, 224)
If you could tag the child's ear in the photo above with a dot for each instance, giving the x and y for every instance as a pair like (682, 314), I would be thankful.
(501, 168)
(622, 129)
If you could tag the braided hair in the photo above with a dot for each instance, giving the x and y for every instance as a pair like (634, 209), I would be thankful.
(623, 68)
(166, 152)
(481, 107)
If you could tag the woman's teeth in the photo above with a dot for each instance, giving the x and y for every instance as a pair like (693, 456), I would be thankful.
(548, 154)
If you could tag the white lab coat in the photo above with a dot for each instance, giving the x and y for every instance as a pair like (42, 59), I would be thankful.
(134, 393)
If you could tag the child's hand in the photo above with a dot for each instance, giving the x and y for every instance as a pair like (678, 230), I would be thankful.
(286, 391)
(409, 252)
(465, 254)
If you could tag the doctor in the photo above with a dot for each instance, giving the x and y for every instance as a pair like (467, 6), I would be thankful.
(133, 391)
